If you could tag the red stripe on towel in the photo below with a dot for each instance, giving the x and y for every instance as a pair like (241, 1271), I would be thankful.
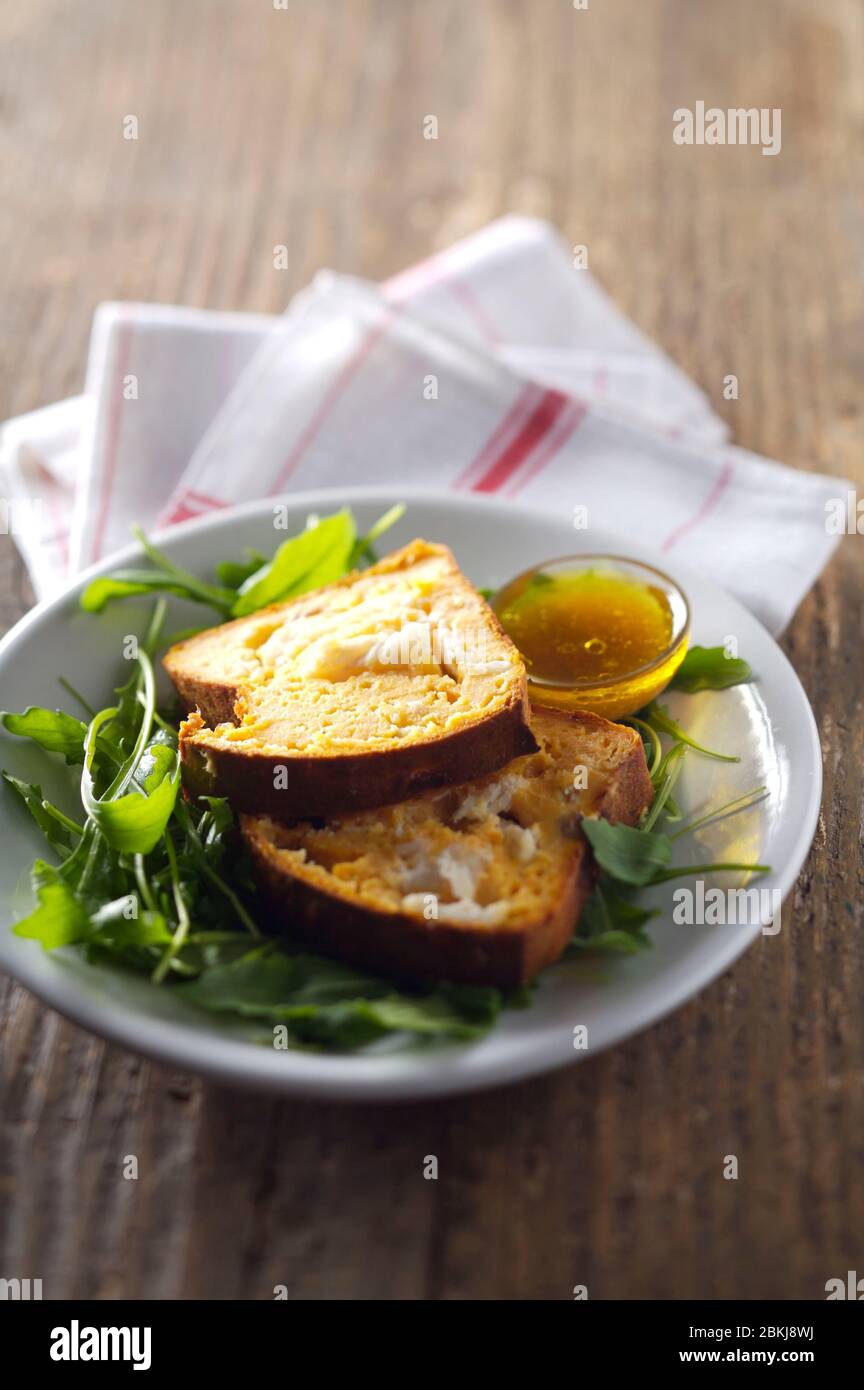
(721, 483)
(191, 504)
(203, 499)
(568, 424)
(506, 430)
(366, 345)
(539, 424)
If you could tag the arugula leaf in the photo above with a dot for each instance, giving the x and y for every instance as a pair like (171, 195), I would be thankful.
(612, 924)
(317, 556)
(482, 1004)
(134, 823)
(363, 545)
(219, 809)
(718, 867)
(271, 984)
(743, 802)
(113, 926)
(433, 1015)
(194, 587)
(650, 743)
(626, 853)
(165, 577)
(57, 828)
(131, 584)
(205, 845)
(59, 919)
(345, 1027)
(331, 1004)
(664, 779)
(709, 668)
(232, 573)
(659, 716)
(76, 695)
(637, 858)
(53, 730)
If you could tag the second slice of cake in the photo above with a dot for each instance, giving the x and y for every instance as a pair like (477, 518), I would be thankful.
(478, 884)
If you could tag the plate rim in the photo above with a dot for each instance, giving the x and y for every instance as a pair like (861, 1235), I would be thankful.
(247, 1065)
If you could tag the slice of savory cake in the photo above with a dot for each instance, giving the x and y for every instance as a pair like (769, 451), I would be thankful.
(393, 680)
(481, 883)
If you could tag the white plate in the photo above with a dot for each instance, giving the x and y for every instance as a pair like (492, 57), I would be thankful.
(768, 723)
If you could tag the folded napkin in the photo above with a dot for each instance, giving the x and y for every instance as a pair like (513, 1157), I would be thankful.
(499, 366)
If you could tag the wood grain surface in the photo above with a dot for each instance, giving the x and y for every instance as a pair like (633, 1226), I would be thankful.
(261, 126)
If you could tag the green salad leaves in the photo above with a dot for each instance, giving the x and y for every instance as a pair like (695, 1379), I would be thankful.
(326, 550)
(636, 857)
(144, 868)
(149, 882)
(157, 885)
(710, 668)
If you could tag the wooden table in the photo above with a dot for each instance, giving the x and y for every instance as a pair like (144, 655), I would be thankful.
(305, 127)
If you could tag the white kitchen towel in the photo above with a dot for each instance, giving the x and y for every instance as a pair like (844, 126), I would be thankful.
(511, 287)
(157, 375)
(39, 466)
(516, 289)
(80, 472)
(498, 366)
(357, 387)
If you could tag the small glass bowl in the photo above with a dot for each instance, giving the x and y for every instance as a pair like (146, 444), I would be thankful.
(629, 690)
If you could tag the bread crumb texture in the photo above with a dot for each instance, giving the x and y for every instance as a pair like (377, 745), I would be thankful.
(498, 852)
(390, 656)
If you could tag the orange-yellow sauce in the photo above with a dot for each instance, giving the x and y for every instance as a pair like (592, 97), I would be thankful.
(592, 637)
